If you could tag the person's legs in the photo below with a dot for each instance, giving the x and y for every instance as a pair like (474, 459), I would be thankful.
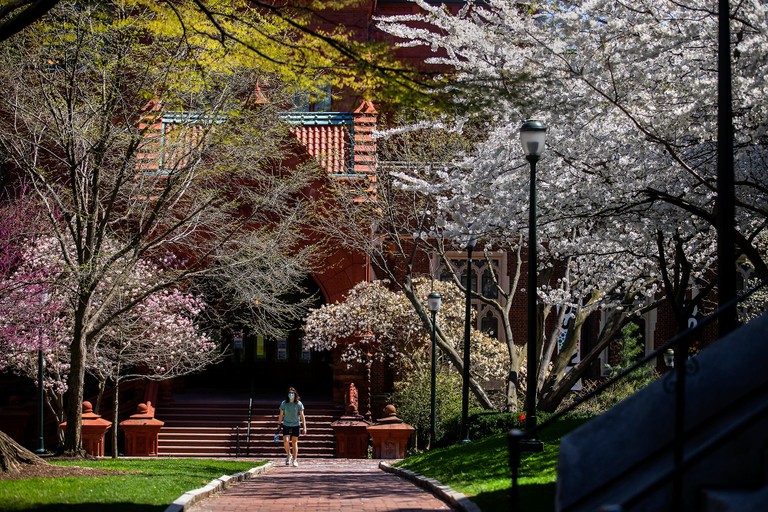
(295, 441)
(287, 446)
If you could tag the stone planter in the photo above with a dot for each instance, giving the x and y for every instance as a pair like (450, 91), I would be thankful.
(351, 434)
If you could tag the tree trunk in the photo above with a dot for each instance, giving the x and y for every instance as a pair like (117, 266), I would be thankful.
(100, 395)
(73, 441)
(559, 388)
(13, 455)
(512, 390)
(115, 408)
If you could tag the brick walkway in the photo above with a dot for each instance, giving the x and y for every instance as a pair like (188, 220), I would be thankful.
(326, 485)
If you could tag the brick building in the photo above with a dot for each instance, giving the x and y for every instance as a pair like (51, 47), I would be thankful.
(337, 132)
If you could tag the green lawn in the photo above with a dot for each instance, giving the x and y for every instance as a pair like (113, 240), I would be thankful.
(480, 470)
(157, 483)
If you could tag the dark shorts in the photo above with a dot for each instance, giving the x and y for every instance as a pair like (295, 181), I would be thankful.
(291, 431)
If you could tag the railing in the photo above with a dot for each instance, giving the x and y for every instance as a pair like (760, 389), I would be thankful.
(519, 440)
(247, 431)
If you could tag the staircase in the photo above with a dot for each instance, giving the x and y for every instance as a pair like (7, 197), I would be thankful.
(623, 459)
(210, 427)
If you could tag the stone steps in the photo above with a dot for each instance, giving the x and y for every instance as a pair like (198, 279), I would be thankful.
(219, 428)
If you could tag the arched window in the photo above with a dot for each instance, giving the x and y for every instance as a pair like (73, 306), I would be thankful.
(489, 324)
(489, 284)
(482, 282)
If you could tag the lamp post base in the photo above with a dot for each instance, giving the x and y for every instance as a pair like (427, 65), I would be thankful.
(531, 445)
(39, 451)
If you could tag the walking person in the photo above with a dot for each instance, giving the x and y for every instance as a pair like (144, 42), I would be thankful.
(291, 420)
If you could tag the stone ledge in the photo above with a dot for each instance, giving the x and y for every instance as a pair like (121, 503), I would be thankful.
(214, 486)
(445, 493)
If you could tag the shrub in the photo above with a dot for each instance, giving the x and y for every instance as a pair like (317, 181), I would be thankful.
(482, 424)
(412, 396)
(629, 350)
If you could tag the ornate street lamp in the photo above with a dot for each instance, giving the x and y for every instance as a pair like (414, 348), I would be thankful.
(533, 135)
(467, 318)
(433, 299)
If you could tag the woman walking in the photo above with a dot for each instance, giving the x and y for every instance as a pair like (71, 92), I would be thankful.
(290, 420)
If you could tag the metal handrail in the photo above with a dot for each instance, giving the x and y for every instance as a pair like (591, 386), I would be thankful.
(664, 476)
(710, 444)
(681, 342)
(248, 432)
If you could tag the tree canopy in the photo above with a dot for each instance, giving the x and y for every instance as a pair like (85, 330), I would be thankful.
(144, 149)
(627, 186)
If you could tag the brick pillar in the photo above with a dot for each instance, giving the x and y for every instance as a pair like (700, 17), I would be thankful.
(364, 121)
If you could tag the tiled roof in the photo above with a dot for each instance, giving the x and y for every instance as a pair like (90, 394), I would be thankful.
(341, 141)
(329, 144)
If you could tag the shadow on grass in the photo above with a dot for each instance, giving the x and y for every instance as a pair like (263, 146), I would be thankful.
(92, 507)
(533, 498)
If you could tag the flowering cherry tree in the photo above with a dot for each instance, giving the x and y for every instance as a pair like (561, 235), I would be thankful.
(627, 186)
(159, 339)
(383, 323)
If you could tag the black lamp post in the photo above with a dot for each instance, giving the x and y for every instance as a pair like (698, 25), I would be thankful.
(467, 319)
(433, 299)
(533, 135)
(40, 407)
(725, 203)
(40, 391)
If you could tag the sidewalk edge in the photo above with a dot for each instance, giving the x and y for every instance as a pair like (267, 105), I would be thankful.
(445, 493)
(217, 484)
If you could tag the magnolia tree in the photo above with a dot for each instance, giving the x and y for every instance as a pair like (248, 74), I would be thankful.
(159, 338)
(627, 185)
(376, 322)
(31, 322)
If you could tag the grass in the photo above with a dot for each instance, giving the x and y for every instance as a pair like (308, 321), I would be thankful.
(480, 470)
(154, 486)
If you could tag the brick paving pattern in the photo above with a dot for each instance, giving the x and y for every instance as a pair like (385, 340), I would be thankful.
(322, 485)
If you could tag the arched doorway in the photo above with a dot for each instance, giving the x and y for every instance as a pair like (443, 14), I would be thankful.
(264, 367)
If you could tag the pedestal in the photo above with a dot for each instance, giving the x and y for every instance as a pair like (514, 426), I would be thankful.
(141, 432)
(390, 436)
(351, 433)
(94, 428)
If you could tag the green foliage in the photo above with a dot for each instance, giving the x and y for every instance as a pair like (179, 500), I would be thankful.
(284, 40)
(411, 397)
(629, 350)
(480, 469)
(151, 484)
(482, 424)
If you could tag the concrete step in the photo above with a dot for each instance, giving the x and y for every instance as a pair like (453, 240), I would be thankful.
(319, 429)
(209, 428)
